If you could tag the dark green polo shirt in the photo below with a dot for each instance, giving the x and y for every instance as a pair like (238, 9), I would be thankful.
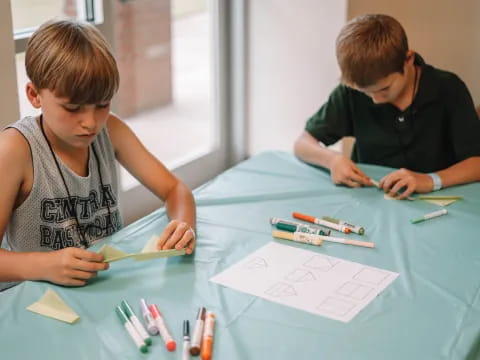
(439, 129)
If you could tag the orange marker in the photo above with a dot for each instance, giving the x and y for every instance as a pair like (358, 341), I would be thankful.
(322, 222)
(207, 341)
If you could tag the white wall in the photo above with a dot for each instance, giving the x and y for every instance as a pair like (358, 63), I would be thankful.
(291, 66)
(445, 32)
(8, 82)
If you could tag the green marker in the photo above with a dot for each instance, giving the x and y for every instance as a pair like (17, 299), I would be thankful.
(136, 323)
(293, 226)
(356, 229)
(429, 216)
(131, 330)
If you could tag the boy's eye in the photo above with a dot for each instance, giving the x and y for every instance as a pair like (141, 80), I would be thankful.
(103, 106)
(72, 108)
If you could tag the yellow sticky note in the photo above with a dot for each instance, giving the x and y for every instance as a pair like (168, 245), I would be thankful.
(52, 305)
(439, 202)
(111, 254)
(158, 254)
(150, 251)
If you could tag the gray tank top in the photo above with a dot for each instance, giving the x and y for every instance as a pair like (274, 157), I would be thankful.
(46, 219)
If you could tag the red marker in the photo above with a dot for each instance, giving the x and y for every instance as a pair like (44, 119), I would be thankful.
(162, 328)
(322, 222)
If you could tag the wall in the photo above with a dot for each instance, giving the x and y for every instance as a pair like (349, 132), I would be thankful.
(291, 66)
(8, 86)
(445, 32)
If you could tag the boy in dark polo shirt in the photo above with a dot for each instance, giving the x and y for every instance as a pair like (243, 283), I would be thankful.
(403, 113)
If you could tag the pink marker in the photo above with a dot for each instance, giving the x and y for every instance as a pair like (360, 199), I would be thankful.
(170, 344)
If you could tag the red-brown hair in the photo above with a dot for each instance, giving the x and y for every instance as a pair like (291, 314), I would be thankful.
(369, 48)
(73, 60)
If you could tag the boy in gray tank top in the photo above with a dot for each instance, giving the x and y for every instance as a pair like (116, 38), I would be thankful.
(61, 192)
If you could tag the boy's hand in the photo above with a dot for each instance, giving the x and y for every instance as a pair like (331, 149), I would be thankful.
(177, 234)
(344, 171)
(72, 266)
(408, 180)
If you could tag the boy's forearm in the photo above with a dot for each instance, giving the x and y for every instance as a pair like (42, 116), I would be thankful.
(463, 172)
(19, 266)
(313, 152)
(180, 204)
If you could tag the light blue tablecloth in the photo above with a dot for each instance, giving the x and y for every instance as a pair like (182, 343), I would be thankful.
(432, 311)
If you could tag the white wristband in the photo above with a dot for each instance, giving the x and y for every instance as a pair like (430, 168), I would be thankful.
(437, 181)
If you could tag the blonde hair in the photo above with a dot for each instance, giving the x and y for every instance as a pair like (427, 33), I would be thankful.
(369, 48)
(73, 60)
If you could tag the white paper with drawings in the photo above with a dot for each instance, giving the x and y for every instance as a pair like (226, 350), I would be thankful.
(319, 284)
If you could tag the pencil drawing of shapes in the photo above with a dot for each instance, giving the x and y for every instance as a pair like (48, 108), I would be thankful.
(300, 275)
(354, 290)
(372, 276)
(256, 263)
(281, 290)
(322, 263)
(338, 307)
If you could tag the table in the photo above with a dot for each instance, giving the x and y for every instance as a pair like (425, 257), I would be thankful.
(431, 311)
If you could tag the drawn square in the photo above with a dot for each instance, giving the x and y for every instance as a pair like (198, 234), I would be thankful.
(335, 306)
(354, 290)
(361, 292)
(321, 263)
(347, 289)
(372, 276)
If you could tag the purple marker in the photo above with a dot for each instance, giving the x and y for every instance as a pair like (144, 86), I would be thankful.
(148, 318)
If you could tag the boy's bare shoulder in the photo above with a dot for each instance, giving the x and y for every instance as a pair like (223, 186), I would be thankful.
(14, 148)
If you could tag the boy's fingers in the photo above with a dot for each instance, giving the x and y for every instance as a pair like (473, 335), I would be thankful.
(351, 183)
(74, 282)
(90, 266)
(190, 247)
(169, 229)
(176, 236)
(359, 179)
(185, 240)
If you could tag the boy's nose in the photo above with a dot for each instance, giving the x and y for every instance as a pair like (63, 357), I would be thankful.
(377, 98)
(88, 121)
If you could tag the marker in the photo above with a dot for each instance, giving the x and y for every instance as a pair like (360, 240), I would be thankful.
(317, 239)
(136, 323)
(186, 340)
(170, 344)
(356, 229)
(131, 330)
(429, 216)
(318, 221)
(294, 226)
(147, 317)
(207, 341)
(197, 332)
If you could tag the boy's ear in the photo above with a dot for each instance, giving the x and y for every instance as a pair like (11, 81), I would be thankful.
(33, 96)
(410, 56)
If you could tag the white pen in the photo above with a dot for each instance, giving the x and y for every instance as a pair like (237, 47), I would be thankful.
(198, 332)
(186, 340)
(429, 216)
